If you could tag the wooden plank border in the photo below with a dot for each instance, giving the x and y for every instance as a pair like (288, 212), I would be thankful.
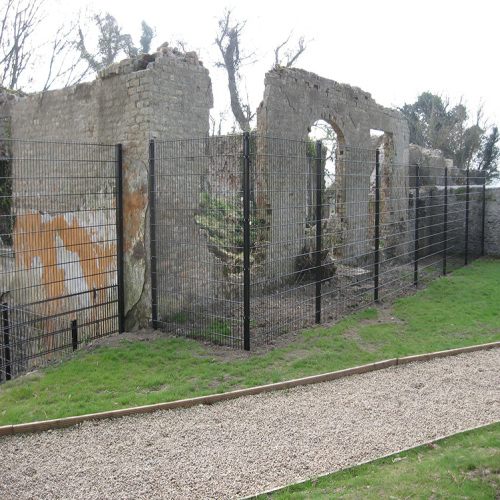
(215, 398)
(360, 464)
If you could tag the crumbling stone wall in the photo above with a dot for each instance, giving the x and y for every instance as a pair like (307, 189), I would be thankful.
(294, 100)
(432, 165)
(159, 96)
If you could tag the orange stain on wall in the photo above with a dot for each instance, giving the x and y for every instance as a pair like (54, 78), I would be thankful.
(133, 208)
(36, 246)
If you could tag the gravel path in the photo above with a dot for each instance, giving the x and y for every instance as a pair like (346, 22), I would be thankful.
(251, 444)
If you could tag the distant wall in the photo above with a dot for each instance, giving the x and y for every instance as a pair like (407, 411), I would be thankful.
(432, 165)
(492, 222)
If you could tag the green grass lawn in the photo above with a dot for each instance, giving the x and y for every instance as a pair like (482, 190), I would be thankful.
(465, 466)
(458, 310)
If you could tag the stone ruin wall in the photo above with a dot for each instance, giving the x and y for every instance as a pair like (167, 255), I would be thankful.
(165, 95)
(432, 165)
(492, 229)
(168, 96)
(294, 100)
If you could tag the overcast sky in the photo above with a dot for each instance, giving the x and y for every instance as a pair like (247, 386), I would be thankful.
(393, 49)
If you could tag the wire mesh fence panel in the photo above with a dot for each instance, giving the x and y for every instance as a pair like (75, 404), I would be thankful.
(348, 234)
(251, 237)
(197, 237)
(255, 236)
(284, 221)
(58, 252)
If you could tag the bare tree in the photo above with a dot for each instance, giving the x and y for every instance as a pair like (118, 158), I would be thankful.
(19, 19)
(22, 48)
(64, 64)
(291, 55)
(216, 124)
(228, 41)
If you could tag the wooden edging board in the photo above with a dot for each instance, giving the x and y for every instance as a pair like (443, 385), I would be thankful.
(214, 398)
(359, 464)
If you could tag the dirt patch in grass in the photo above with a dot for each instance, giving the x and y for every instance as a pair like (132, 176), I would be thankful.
(353, 334)
(492, 477)
(221, 353)
(384, 315)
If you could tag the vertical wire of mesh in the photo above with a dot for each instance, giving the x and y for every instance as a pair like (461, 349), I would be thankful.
(58, 255)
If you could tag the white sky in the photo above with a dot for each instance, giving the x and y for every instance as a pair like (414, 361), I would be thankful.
(393, 49)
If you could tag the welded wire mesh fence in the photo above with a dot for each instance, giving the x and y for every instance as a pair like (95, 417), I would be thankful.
(197, 237)
(58, 250)
(252, 236)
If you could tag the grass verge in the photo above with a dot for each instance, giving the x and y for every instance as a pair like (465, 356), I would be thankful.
(463, 466)
(456, 311)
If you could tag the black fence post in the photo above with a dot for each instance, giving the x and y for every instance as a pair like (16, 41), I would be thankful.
(246, 241)
(319, 220)
(152, 233)
(483, 215)
(74, 334)
(377, 226)
(467, 195)
(119, 237)
(417, 203)
(6, 342)
(445, 221)
(2, 362)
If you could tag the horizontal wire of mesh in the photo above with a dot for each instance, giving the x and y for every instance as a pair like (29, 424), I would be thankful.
(197, 236)
(314, 250)
(58, 248)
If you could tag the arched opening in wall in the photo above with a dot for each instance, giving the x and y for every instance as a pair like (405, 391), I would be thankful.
(333, 151)
(384, 143)
(331, 138)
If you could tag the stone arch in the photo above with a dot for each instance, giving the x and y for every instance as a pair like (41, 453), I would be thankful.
(331, 123)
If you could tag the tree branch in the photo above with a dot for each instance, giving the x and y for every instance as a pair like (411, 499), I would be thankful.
(227, 40)
(290, 56)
